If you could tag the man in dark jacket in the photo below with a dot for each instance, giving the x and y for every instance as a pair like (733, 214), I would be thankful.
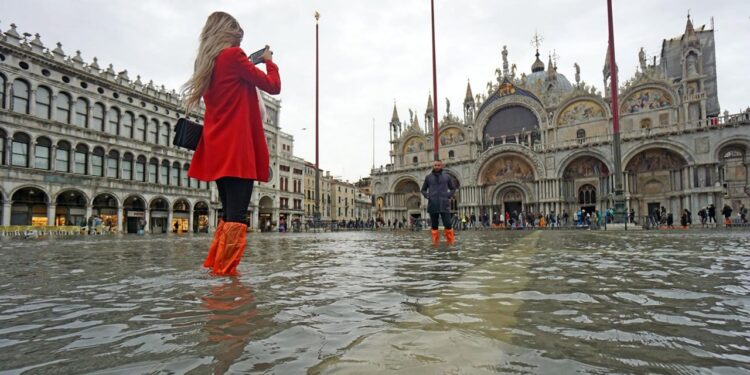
(438, 188)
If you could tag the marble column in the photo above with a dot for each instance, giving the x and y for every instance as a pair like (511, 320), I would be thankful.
(190, 219)
(51, 213)
(121, 220)
(6, 213)
(170, 217)
(147, 218)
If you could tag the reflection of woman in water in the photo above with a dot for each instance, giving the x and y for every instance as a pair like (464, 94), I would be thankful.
(231, 323)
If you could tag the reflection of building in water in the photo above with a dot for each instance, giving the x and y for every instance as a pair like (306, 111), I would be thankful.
(80, 141)
(537, 142)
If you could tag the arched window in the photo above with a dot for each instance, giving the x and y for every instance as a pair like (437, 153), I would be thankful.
(113, 161)
(580, 135)
(42, 153)
(2, 91)
(646, 123)
(62, 105)
(415, 160)
(164, 173)
(127, 125)
(140, 168)
(153, 131)
(3, 139)
(164, 134)
(20, 96)
(97, 162)
(82, 113)
(127, 166)
(62, 157)
(43, 105)
(184, 181)
(587, 195)
(153, 165)
(174, 180)
(113, 120)
(140, 129)
(451, 154)
(81, 159)
(20, 150)
(97, 117)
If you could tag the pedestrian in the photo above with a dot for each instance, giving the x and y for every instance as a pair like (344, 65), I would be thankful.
(232, 150)
(727, 212)
(703, 214)
(565, 217)
(712, 213)
(743, 213)
(631, 216)
(670, 221)
(438, 188)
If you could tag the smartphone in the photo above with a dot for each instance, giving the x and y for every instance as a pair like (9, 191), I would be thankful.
(255, 57)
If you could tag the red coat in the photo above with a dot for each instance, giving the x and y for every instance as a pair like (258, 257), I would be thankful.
(233, 142)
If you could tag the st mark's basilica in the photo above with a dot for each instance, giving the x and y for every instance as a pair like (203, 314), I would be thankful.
(539, 143)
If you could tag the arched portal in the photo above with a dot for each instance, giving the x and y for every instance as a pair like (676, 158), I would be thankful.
(104, 207)
(587, 174)
(407, 196)
(135, 214)
(159, 208)
(734, 169)
(265, 214)
(71, 209)
(180, 217)
(200, 217)
(655, 178)
(29, 207)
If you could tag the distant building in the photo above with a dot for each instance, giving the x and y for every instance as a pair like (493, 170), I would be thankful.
(537, 143)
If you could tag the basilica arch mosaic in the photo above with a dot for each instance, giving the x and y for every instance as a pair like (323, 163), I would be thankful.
(507, 167)
(414, 145)
(647, 99)
(581, 111)
(585, 167)
(451, 136)
(655, 159)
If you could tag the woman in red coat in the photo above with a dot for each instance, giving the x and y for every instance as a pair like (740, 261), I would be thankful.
(232, 150)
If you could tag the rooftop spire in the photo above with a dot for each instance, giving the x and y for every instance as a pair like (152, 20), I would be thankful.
(394, 118)
(430, 106)
(469, 96)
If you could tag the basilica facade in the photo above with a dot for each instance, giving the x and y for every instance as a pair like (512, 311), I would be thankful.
(538, 143)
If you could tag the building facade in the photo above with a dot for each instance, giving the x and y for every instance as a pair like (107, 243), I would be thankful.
(79, 141)
(539, 143)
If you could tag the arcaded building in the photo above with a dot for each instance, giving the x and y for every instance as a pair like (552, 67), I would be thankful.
(537, 142)
(79, 140)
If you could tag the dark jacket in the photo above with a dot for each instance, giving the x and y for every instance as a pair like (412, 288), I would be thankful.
(438, 188)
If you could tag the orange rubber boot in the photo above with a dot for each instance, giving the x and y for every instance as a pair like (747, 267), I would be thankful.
(450, 236)
(209, 262)
(230, 249)
(435, 237)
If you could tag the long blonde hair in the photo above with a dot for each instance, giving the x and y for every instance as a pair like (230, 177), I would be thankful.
(220, 31)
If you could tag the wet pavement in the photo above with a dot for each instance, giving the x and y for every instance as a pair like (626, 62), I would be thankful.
(522, 302)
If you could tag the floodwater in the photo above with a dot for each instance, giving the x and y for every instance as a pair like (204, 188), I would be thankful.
(521, 302)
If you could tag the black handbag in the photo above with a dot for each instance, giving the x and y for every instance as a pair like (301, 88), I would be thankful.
(187, 134)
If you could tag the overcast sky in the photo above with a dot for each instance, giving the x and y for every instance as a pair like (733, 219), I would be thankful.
(375, 52)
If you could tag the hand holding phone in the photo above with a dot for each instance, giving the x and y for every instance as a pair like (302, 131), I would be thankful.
(261, 55)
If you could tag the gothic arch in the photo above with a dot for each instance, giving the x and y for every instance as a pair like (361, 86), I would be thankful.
(510, 149)
(567, 160)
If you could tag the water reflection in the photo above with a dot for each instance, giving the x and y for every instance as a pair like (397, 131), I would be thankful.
(518, 302)
(230, 323)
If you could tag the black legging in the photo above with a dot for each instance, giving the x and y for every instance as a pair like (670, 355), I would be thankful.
(234, 194)
(446, 216)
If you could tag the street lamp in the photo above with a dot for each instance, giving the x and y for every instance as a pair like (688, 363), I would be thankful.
(316, 213)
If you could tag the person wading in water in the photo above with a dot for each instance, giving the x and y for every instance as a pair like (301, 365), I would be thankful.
(438, 188)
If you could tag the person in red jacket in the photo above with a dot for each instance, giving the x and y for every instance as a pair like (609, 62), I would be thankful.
(232, 150)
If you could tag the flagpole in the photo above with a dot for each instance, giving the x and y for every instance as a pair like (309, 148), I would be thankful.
(434, 87)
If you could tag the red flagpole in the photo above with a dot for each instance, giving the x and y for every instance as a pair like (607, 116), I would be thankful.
(434, 86)
(316, 214)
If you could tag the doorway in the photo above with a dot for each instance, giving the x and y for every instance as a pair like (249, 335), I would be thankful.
(512, 206)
